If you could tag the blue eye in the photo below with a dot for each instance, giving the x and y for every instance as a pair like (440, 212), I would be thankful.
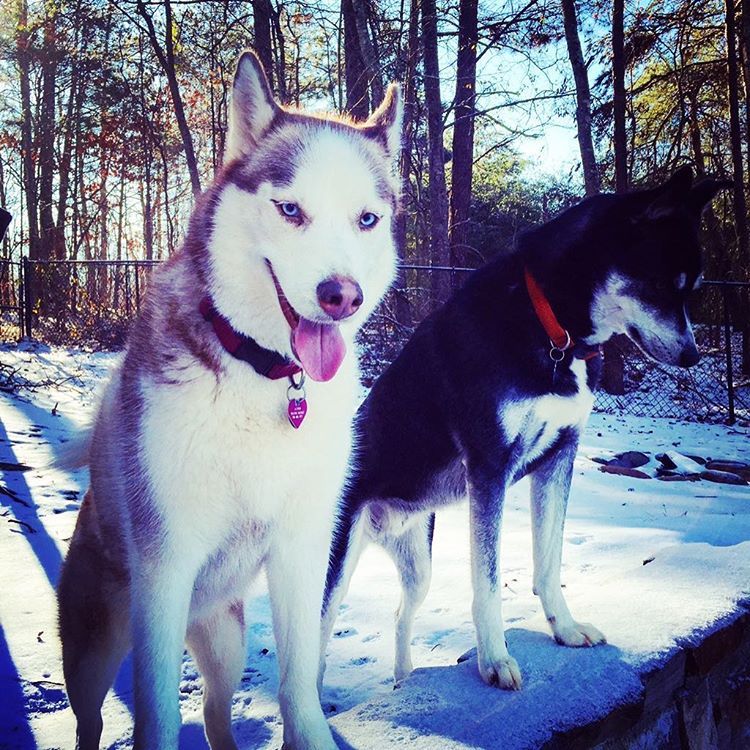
(368, 220)
(289, 209)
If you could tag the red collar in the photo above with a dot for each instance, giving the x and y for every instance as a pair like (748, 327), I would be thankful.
(265, 362)
(558, 336)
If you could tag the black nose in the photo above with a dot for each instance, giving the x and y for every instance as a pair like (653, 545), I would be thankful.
(689, 356)
(340, 297)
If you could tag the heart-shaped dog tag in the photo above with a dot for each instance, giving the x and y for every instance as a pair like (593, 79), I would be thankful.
(297, 410)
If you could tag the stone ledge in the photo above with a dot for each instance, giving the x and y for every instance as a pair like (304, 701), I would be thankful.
(696, 697)
(698, 700)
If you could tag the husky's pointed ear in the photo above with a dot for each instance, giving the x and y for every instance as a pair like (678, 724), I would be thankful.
(384, 124)
(704, 192)
(672, 194)
(252, 108)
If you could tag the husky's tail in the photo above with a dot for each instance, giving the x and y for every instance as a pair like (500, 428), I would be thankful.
(74, 453)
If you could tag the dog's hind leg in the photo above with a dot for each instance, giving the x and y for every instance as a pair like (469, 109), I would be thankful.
(217, 644)
(348, 542)
(94, 629)
(412, 553)
(550, 487)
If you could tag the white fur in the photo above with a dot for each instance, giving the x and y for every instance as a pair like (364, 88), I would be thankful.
(552, 413)
(333, 186)
(229, 468)
(237, 488)
(234, 487)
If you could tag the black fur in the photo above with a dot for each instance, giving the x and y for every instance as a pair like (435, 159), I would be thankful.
(430, 424)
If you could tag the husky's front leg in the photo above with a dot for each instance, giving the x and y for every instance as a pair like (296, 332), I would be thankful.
(486, 496)
(550, 487)
(296, 569)
(162, 585)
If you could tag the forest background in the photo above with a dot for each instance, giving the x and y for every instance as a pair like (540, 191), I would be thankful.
(113, 114)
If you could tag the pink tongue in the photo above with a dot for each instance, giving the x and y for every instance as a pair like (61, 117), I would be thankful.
(320, 348)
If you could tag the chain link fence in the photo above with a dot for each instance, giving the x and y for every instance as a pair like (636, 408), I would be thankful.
(86, 303)
(11, 301)
(90, 304)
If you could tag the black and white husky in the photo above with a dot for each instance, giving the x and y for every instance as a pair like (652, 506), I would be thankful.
(498, 384)
(212, 456)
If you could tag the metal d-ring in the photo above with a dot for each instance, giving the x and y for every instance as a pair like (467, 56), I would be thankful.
(557, 353)
(298, 387)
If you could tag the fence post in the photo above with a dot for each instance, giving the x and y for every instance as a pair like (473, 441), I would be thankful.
(20, 303)
(137, 290)
(27, 295)
(728, 352)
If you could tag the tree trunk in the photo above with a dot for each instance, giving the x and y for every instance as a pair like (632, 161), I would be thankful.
(167, 208)
(47, 135)
(58, 245)
(357, 95)
(279, 45)
(215, 128)
(714, 239)
(583, 98)
(23, 43)
(4, 233)
(165, 55)
(620, 140)
(740, 205)
(147, 149)
(262, 35)
(463, 132)
(148, 212)
(75, 224)
(744, 36)
(72, 117)
(403, 305)
(370, 58)
(438, 198)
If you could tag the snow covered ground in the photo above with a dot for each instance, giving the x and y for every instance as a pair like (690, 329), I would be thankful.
(695, 536)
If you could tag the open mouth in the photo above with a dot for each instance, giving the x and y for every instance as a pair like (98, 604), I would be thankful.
(319, 347)
(291, 315)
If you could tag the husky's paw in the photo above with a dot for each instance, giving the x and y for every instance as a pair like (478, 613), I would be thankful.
(578, 634)
(402, 670)
(502, 672)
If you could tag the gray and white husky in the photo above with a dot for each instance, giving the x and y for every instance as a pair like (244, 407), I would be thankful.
(198, 479)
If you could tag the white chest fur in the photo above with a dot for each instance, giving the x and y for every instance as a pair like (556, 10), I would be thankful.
(221, 452)
(536, 422)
